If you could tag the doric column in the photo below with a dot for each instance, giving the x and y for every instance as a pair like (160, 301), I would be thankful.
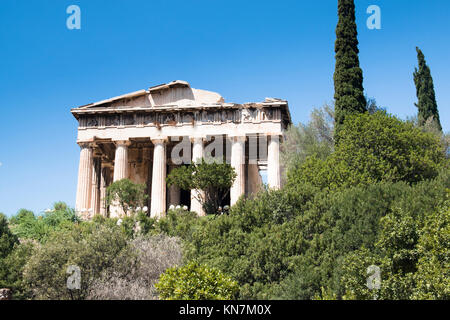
(84, 179)
(158, 199)
(147, 158)
(104, 182)
(254, 179)
(120, 172)
(238, 163)
(174, 192)
(121, 160)
(95, 196)
(273, 162)
(197, 156)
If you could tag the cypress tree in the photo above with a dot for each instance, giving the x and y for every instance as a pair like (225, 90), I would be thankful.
(348, 77)
(425, 92)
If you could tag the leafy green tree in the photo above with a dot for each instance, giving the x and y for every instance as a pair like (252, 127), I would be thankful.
(433, 266)
(313, 139)
(214, 178)
(373, 148)
(412, 252)
(127, 194)
(11, 270)
(28, 226)
(348, 76)
(7, 238)
(426, 96)
(196, 282)
(254, 243)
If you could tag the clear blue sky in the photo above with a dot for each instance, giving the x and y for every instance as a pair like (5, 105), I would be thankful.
(245, 50)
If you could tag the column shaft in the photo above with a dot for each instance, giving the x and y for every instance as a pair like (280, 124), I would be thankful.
(84, 179)
(273, 162)
(158, 199)
(121, 161)
(104, 181)
(95, 197)
(120, 172)
(238, 163)
(197, 156)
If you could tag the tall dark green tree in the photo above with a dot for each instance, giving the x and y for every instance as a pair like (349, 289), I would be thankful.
(425, 92)
(348, 76)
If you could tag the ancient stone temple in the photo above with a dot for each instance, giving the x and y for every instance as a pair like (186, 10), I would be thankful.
(145, 134)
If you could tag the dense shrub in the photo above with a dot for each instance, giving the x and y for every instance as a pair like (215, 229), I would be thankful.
(313, 139)
(196, 282)
(7, 238)
(254, 243)
(372, 148)
(91, 247)
(127, 194)
(412, 253)
(135, 278)
(213, 178)
(11, 270)
(180, 223)
(28, 226)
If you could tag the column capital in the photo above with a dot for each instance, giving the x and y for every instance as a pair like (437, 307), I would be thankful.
(159, 140)
(122, 143)
(270, 134)
(197, 139)
(85, 144)
(237, 138)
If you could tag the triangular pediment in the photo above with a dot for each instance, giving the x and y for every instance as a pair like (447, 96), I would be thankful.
(176, 93)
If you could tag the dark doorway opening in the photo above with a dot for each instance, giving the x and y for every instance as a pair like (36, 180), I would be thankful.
(185, 198)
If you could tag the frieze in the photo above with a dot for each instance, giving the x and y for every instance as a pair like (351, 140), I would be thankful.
(243, 115)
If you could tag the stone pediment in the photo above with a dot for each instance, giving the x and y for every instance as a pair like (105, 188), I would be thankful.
(176, 103)
(176, 94)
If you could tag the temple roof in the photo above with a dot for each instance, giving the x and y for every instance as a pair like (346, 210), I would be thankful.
(174, 95)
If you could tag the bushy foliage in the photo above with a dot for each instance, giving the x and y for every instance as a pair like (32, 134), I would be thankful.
(91, 247)
(212, 177)
(135, 278)
(412, 252)
(196, 282)
(11, 270)
(373, 148)
(313, 139)
(127, 194)
(180, 223)
(254, 243)
(28, 226)
(7, 238)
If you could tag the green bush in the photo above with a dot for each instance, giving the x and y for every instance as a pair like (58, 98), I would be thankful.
(180, 223)
(7, 238)
(196, 282)
(11, 270)
(412, 252)
(92, 247)
(255, 242)
(127, 194)
(215, 179)
(28, 226)
(373, 148)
